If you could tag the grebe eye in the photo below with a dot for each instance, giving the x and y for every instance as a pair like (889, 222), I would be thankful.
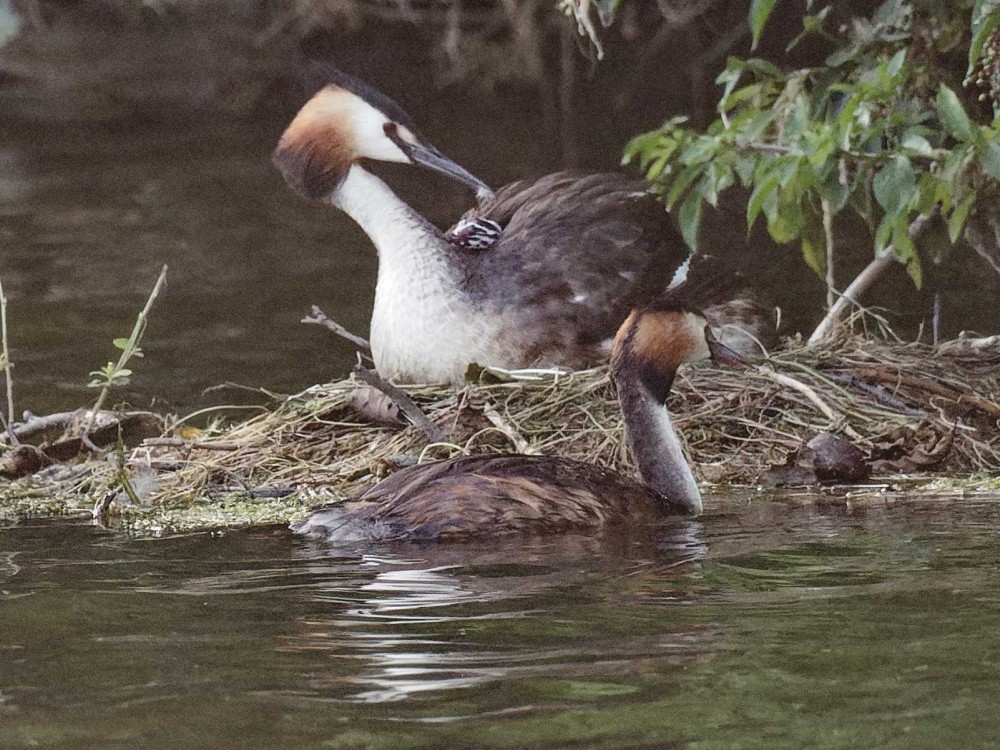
(389, 129)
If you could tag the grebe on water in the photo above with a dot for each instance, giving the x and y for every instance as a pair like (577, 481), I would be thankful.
(542, 273)
(484, 496)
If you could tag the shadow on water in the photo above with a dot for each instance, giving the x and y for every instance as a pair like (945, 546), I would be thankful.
(777, 627)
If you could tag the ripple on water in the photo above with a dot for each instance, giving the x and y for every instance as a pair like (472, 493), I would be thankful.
(773, 627)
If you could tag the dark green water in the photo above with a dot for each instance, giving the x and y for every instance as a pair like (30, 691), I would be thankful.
(759, 627)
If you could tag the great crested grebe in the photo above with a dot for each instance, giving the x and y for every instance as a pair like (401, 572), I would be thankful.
(542, 273)
(481, 496)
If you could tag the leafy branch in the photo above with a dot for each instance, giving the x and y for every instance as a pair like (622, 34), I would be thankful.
(875, 130)
(117, 374)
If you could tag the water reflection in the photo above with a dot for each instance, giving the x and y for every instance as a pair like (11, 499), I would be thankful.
(429, 618)
(877, 622)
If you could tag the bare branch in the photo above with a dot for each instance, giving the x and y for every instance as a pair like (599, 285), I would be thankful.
(7, 367)
(872, 272)
(318, 317)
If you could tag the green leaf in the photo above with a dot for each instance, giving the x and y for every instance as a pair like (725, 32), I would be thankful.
(763, 68)
(760, 11)
(955, 163)
(930, 194)
(811, 24)
(956, 222)
(729, 77)
(689, 218)
(917, 144)
(717, 179)
(983, 28)
(683, 182)
(120, 343)
(895, 185)
(745, 166)
(883, 234)
(786, 223)
(833, 191)
(814, 242)
(764, 189)
(953, 115)
(907, 251)
(895, 63)
(991, 159)
(841, 55)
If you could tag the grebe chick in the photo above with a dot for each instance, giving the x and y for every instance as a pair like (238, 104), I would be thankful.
(485, 496)
(544, 273)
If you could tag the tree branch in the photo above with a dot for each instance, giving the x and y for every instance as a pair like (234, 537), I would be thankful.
(872, 272)
(319, 318)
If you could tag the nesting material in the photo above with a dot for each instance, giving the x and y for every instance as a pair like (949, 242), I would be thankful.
(908, 408)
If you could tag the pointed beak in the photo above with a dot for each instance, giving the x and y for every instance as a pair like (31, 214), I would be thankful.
(427, 156)
(722, 354)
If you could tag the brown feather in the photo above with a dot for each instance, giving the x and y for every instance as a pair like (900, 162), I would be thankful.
(316, 149)
(580, 251)
(479, 496)
(652, 344)
(663, 340)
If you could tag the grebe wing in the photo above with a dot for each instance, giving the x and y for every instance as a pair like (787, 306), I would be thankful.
(482, 496)
(588, 247)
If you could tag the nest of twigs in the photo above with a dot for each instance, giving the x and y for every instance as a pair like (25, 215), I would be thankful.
(907, 407)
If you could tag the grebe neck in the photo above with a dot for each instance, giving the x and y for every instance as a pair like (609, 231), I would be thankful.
(397, 231)
(656, 447)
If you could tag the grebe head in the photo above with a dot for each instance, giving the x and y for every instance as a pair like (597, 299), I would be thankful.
(655, 341)
(346, 121)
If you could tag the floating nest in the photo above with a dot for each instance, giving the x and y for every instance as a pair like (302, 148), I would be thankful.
(908, 408)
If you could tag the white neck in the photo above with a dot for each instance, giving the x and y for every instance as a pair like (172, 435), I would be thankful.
(396, 230)
(420, 324)
(657, 448)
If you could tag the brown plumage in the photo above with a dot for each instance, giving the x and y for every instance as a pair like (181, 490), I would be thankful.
(578, 251)
(485, 496)
(477, 496)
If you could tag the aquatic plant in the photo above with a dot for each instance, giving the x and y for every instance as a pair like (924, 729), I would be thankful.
(117, 374)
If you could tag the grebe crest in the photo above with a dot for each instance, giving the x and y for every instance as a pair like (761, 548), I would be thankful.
(346, 121)
(654, 342)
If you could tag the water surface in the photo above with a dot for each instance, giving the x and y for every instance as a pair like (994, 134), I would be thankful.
(755, 627)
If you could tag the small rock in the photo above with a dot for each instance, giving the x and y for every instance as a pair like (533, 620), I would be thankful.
(826, 458)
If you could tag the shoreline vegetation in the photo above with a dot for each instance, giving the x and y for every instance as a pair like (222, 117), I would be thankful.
(923, 420)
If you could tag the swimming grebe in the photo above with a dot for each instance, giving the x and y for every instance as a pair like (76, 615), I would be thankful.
(542, 274)
(482, 496)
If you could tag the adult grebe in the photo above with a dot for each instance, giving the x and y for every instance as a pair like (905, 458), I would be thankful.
(542, 274)
(482, 496)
